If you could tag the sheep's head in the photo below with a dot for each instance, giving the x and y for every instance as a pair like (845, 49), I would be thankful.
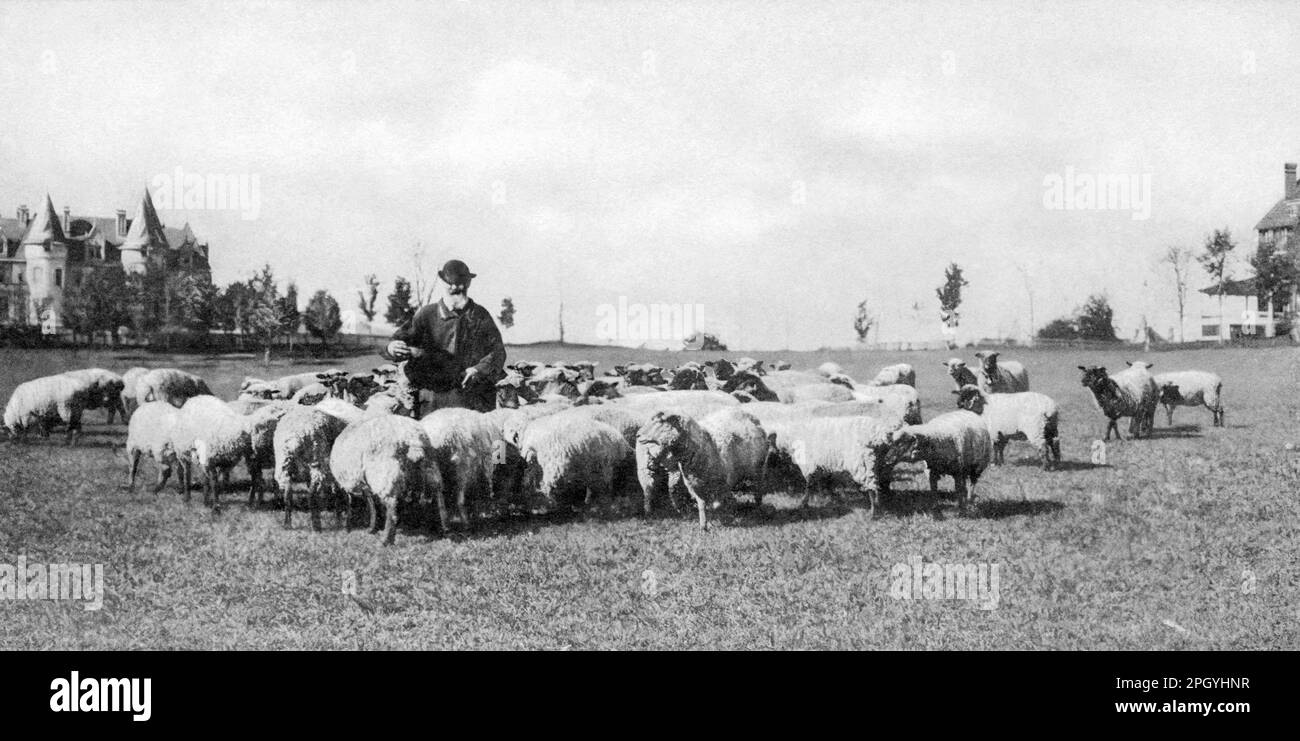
(744, 396)
(359, 387)
(751, 384)
(514, 390)
(335, 381)
(644, 374)
(595, 390)
(554, 380)
(689, 376)
(988, 360)
(956, 367)
(586, 369)
(750, 365)
(971, 399)
(1138, 364)
(906, 445)
(781, 365)
(1169, 393)
(722, 369)
(1094, 377)
(664, 437)
(842, 380)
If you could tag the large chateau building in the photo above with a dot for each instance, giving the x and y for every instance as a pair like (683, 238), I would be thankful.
(43, 256)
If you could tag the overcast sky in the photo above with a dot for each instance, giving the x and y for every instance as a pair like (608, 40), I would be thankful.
(773, 162)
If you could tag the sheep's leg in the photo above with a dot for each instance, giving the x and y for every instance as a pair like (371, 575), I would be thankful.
(959, 487)
(807, 492)
(1045, 450)
(314, 486)
(934, 480)
(254, 486)
(183, 479)
(288, 504)
(700, 505)
(1169, 415)
(339, 505)
(999, 450)
(1114, 425)
(390, 521)
(374, 516)
(461, 509)
(164, 471)
(134, 465)
(760, 486)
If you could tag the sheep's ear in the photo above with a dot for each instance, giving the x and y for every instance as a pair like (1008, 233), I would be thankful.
(1126, 362)
(1083, 368)
(957, 392)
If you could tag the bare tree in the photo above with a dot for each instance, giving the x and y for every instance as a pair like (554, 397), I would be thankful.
(367, 298)
(424, 284)
(1179, 260)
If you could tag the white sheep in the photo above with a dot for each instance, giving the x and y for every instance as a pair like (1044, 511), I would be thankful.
(1027, 415)
(837, 450)
(222, 439)
(744, 446)
(955, 444)
(676, 451)
(1001, 377)
(691, 402)
(44, 402)
(463, 442)
(149, 432)
(301, 444)
(281, 388)
(129, 380)
(899, 373)
(899, 402)
(388, 459)
(105, 391)
(1191, 388)
(573, 453)
(1130, 393)
(171, 385)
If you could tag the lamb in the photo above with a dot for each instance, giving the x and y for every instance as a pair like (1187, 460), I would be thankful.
(899, 373)
(567, 453)
(149, 432)
(43, 402)
(171, 385)
(1191, 388)
(955, 444)
(961, 375)
(463, 441)
(837, 449)
(129, 381)
(1006, 377)
(262, 424)
(106, 391)
(1024, 416)
(388, 459)
(1130, 393)
(301, 446)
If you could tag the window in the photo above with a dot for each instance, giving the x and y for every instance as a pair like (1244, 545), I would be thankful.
(1209, 330)
(58, 277)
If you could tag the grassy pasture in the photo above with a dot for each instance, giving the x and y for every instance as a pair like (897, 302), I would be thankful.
(1190, 540)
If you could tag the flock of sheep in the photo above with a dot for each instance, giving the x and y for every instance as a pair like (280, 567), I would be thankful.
(564, 437)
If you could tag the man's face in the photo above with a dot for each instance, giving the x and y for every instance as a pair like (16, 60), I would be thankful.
(460, 287)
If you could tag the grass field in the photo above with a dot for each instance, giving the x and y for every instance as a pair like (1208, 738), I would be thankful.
(1190, 540)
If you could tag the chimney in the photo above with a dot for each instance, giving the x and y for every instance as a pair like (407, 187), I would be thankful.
(67, 220)
(24, 216)
(1289, 190)
(121, 223)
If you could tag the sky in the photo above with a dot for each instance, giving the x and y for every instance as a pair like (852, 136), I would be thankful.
(762, 167)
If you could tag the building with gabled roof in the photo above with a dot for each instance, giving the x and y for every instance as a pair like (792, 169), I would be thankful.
(44, 254)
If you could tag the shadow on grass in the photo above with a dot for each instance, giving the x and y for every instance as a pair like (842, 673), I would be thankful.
(1183, 430)
(1062, 466)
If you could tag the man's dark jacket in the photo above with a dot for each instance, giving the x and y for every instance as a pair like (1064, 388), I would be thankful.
(453, 341)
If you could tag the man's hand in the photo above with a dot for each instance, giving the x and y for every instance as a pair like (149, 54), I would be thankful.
(399, 350)
(470, 374)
